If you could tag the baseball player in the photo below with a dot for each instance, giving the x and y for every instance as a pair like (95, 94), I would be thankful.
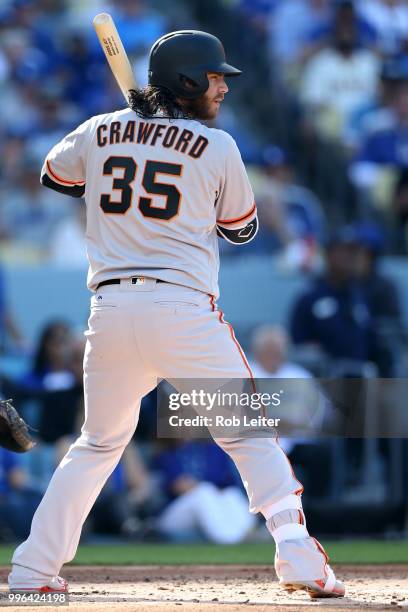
(159, 186)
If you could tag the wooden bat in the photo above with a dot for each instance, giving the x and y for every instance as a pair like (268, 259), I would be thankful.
(115, 53)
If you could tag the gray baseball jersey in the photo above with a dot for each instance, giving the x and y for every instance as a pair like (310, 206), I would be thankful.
(156, 190)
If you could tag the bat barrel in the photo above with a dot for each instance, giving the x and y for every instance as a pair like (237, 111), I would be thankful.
(114, 51)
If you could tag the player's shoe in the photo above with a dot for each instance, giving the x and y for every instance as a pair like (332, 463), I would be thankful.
(330, 587)
(53, 585)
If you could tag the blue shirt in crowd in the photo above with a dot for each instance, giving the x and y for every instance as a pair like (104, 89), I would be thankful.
(386, 147)
(338, 320)
(203, 461)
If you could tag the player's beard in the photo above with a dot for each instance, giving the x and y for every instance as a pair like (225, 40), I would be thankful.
(202, 108)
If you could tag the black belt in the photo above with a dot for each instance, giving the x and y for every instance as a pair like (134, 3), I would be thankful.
(116, 281)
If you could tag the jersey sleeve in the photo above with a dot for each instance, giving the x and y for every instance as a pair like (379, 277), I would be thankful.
(64, 169)
(235, 205)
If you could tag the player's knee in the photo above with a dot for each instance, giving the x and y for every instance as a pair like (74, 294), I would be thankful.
(229, 445)
(225, 442)
(100, 443)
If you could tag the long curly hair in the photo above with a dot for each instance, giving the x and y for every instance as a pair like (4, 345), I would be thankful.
(152, 101)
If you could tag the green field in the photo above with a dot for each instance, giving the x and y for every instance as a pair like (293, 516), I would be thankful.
(354, 551)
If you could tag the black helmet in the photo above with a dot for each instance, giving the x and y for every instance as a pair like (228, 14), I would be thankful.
(180, 61)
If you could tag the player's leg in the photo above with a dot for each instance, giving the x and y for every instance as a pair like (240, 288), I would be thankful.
(197, 343)
(115, 379)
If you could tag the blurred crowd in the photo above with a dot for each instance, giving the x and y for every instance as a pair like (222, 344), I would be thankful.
(336, 115)
(321, 119)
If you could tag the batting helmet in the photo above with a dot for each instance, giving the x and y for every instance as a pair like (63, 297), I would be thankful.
(180, 61)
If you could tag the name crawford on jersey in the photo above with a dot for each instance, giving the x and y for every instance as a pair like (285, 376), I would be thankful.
(142, 132)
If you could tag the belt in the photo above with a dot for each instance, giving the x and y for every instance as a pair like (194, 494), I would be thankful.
(116, 281)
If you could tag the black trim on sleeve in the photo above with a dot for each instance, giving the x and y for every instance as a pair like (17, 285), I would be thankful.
(240, 235)
(75, 191)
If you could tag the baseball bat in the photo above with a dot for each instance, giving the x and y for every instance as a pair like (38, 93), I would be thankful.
(115, 53)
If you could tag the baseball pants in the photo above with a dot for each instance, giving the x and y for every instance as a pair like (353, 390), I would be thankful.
(138, 333)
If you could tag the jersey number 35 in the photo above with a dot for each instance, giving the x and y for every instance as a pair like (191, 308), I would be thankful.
(150, 184)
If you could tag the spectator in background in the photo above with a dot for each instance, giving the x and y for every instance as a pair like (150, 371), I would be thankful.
(290, 28)
(379, 114)
(54, 118)
(229, 119)
(10, 334)
(291, 216)
(18, 500)
(204, 493)
(12, 150)
(386, 147)
(301, 413)
(82, 74)
(51, 369)
(62, 407)
(383, 300)
(51, 386)
(29, 214)
(399, 209)
(269, 349)
(365, 33)
(389, 19)
(333, 316)
(17, 93)
(50, 397)
(340, 78)
(257, 12)
(25, 61)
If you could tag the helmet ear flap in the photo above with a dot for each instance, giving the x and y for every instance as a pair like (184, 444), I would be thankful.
(193, 86)
(188, 83)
